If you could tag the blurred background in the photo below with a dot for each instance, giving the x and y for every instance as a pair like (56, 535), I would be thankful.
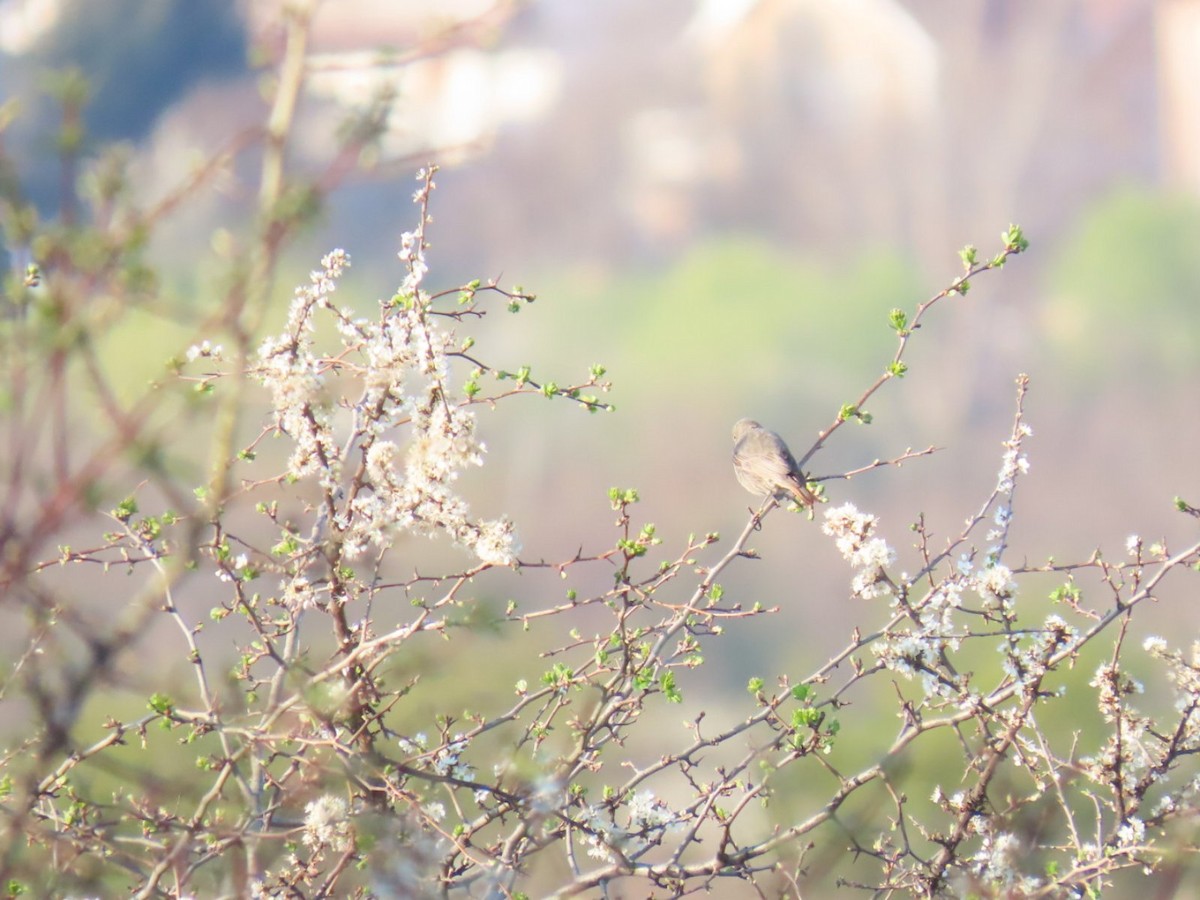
(720, 201)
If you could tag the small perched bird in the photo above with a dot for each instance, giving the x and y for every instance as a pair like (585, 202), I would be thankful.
(765, 466)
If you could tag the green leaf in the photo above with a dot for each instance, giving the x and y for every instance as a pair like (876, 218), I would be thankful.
(1068, 591)
(559, 676)
(631, 548)
(666, 681)
(1014, 240)
(806, 717)
(286, 546)
(619, 497)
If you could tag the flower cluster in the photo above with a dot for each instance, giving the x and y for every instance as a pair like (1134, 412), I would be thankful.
(327, 824)
(998, 859)
(853, 531)
(205, 350)
(1127, 754)
(448, 761)
(996, 587)
(1014, 462)
(289, 368)
(413, 437)
(648, 819)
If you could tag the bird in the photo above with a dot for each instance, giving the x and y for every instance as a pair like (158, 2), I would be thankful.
(765, 466)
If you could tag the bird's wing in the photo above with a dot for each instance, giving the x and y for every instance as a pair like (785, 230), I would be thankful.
(770, 455)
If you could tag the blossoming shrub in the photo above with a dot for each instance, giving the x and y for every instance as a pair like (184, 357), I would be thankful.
(321, 764)
(233, 681)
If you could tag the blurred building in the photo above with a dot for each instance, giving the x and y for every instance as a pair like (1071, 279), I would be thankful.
(627, 129)
(1178, 33)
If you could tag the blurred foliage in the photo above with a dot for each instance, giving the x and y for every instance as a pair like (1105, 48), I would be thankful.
(740, 305)
(139, 57)
(121, 63)
(1123, 287)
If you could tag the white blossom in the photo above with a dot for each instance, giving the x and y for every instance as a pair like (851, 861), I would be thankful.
(446, 761)
(327, 824)
(1132, 831)
(205, 349)
(1154, 645)
(298, 594)
(597, 849)
(418, 743)
(647, 812)
(497, 543)
(406, 484)
(435, 811)
(997, 859)
(1013, 463)
(852, 532)
(995, 585)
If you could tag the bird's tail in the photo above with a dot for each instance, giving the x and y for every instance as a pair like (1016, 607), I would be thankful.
(801, 493)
